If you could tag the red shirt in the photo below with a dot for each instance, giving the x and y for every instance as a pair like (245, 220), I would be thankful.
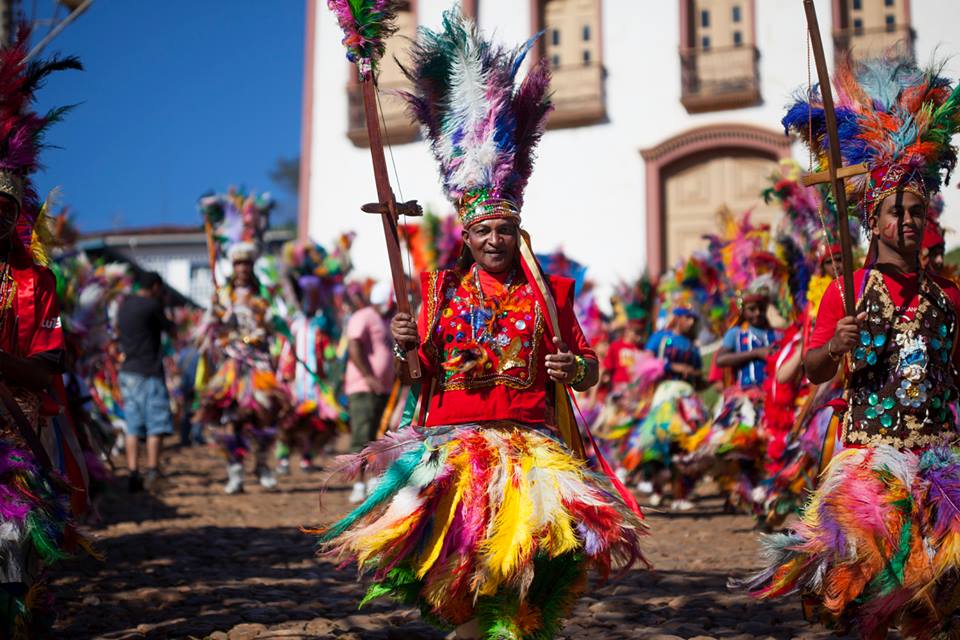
(901, 287)
(620, 360)
(31, 325)
(501, 401)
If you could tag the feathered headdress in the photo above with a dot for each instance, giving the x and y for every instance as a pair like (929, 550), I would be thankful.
(239, 221)
(559, 264)
(22, 129)
(736, 248)
(318, 277)
(366, 25)
(893, 116)
(85, 291)
(933, 235)
(748, 270)
(696, 284)
(482, 126)
(634, 303)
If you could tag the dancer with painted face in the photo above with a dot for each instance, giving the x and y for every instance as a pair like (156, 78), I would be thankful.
(486, 514)
(877, 543)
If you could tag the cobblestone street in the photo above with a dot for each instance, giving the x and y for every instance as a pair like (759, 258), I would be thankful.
(194, 563)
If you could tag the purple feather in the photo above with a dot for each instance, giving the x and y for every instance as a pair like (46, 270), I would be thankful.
(366, 25)
(12, 504)
(592, 544)
(531, 106)
(483, 128)
(941, 474)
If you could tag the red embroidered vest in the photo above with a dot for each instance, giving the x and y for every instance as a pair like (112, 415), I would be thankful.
(481, 340)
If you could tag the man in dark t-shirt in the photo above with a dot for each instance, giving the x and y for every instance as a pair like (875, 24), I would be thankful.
(146, 404)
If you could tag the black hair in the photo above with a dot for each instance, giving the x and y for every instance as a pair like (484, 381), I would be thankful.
(149, 279)
(465, 261)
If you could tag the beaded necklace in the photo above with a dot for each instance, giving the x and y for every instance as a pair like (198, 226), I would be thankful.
(481, 315)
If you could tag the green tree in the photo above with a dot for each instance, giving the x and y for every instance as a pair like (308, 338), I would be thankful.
(286, 175)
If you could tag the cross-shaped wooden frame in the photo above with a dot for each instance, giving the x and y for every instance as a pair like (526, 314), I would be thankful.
(835, 172)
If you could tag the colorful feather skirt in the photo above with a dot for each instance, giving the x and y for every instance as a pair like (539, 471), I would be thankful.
(781, 412)
(244, 389)
(675, 413)
(496, 524)
(307, 428)
(36, 530)
(878, 544)
(310, 418)
(619, 415)
(730, 447)
(786, 491)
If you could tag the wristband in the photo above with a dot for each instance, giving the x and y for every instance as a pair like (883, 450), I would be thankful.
(581, 372)
(830, 354)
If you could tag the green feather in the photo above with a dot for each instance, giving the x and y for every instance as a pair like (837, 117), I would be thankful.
(46, 547)
(552, 590)
(392, 481)
(400, 584)
(891, 575)
(496, 616)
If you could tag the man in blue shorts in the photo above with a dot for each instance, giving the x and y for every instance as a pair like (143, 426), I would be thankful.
(140, 322)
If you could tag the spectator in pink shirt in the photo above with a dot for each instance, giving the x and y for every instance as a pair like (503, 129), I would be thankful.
(369, 375)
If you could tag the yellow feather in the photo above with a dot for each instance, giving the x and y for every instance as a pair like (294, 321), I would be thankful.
(437, 592)
(948, 555)
(444, 514)
(511, 539)
(692, 442)
(375, 542)
(562, 538)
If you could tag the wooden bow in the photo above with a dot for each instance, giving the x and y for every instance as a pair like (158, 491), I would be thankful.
(836, 172)
(387, 208)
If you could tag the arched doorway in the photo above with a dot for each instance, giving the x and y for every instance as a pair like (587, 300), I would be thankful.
(691, 175)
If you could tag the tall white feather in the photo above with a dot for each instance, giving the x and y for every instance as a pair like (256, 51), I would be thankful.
(469, 108)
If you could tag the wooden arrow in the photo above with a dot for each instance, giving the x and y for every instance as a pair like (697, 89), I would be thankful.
(836, 171)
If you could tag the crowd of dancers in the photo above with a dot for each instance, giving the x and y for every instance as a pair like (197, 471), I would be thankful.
(488, 488)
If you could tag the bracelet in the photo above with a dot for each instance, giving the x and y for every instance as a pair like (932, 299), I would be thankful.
(581, 372)
(398, 352)
(830, 354)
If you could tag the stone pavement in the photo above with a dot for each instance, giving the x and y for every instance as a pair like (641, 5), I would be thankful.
(191, 562)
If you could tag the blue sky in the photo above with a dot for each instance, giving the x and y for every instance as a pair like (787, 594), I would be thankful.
(177, 97)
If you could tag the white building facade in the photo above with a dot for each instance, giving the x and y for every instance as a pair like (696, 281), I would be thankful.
(666, 110)
(177, 253)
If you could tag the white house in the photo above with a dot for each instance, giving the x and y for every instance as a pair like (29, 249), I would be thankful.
(666, 110)
(177, 253)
